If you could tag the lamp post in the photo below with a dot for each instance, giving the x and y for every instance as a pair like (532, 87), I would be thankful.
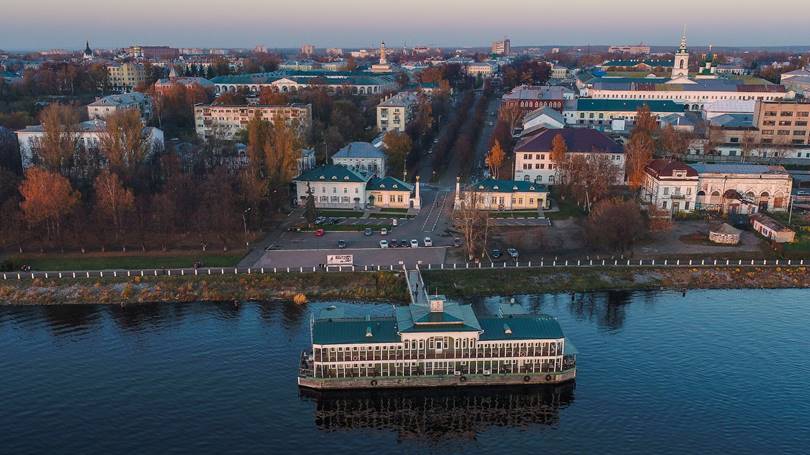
(244, 222)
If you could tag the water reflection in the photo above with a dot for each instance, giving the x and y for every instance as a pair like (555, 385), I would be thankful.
(67, 320)
(439, 414)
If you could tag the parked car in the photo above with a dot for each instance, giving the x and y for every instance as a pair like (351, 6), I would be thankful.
(383, 231)
(368, 232)
(319, 233)
(495, 253)
(320, 220)
(383, 243)
(341, 244)
(398, 243)
(456, 242)
(414, 243)
(512, 252)
(428, 241)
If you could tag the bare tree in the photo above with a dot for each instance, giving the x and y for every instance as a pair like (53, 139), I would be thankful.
(473, 222)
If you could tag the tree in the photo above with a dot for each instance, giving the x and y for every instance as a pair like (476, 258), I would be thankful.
(615, 225)
(281, 153)
(271, 97)
(310, 213)
(674, 143)
(55, 149)
(113, 200)
(511, 114)
(123, 143)
(397, 147)
(473, 223)
(47, 198)
(639, 149)
(589, 178)
(494, 159)
(559, 155)
(258, 131)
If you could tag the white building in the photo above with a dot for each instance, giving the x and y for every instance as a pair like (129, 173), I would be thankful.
(224, 122)
(502, 47)
(533, 161)
(361, 157)
(669, 186)
(483, 69)
(88, 136)
(601, 113)
(396, 112)
(102, 107)
(338, 187)
(742, 188)
(725, 107)
(491, 194)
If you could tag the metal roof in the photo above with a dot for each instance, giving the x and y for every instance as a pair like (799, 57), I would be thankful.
(359, 150)
(331, 172)
(600, 104)
(507, 186)
(520, 327)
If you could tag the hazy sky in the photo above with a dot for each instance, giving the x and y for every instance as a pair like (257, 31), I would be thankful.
(33, 24)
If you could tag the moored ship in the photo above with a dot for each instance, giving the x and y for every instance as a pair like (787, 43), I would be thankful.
(433, 342)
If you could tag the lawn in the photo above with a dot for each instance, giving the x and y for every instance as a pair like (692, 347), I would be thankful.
(340, 213)
(139, 261)
(389, 215)
(514, 214)
(567, 210)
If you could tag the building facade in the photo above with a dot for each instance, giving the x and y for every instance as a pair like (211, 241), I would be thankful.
(669, 186)
(224, 122)
(782, 122)
(338, 187)
(361, 157)
(742, 188)
(635, 49)
(283, 81)
(125, 77)
(396, 112)
(531, 97)
(533, 161)
(108, 105)
(502, 47)
(495, 195)
(600, 113)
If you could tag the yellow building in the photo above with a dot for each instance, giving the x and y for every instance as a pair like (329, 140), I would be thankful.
(491, 194)
(126, 76)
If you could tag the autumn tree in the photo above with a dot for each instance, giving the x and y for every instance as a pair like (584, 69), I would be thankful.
(55, 149)
(559, 155)
(281, 153)
(494, 159)
(639, 149)
(48, 198)
(590, 177)
(258, 131)
(615, 225)
(122, 143)
(674, 143)
(397, 147)
(511, 114)
(113, 200)
(473, 223)
(271, 97)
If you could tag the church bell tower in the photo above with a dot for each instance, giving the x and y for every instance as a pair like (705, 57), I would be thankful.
(680, 68)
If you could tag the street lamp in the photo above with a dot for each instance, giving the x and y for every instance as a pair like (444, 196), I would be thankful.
(244, 222)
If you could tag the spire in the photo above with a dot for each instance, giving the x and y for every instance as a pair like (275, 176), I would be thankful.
(682, 48)
(87, 50)
(383, 60)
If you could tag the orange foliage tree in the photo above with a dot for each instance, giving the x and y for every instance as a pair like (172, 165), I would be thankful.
(47, 198)
(113, 200)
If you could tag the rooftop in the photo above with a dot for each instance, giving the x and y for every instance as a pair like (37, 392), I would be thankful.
(331, 172)
(537, 92)
(616, 105)
(738, 168)
(667, 168)
(583, 140)
(359, 150)
(507, 186)
(388, 183)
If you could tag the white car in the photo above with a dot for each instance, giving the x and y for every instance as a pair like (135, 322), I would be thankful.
(383, 243)
(384, 231)
(414, 243)
(428, 242)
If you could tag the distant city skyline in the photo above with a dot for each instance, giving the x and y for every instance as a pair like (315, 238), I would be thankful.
(363, 23)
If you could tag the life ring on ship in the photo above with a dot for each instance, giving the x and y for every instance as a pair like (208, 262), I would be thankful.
(373, 382)
(463, 379)
(526, 378)
(548, 377)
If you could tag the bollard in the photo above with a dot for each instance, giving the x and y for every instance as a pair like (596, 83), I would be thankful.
(128, 273)
(365, 268)
(566, 262)
(653, 262)
(442, 265)
(628, 262)
(288, 270)
(19, 277)
(590, 262)
(578, 262)
(313, 268)
(169, 272)
(236, 271)
(183, 272)
(302, 269)
(504, 264)
(196, 272)
(530, 264)
(74, 274)
(678, 262)
(428, 266)
(222, 271)
(702, 262)
(467, 265)
(454, 266)
(209, 271)
(554, 263)
(60, 275)
(715, 262)
(789, 261)
(115, 274)
(378, 268)
(46, 275)
(249, 271)
(777, 263)
(640, 262)
(603, 262)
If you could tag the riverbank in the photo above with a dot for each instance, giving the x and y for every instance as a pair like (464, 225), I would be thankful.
(390, 286)
(223, 288)
(529, 281)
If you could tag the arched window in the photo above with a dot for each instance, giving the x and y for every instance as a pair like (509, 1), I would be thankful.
(682, 62)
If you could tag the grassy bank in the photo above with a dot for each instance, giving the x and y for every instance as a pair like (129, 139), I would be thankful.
(104, 261)
(323, 286)
(524, 281)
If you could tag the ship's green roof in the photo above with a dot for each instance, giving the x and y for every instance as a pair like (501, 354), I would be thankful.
(454, 318)
(359, 330)
(520, 327)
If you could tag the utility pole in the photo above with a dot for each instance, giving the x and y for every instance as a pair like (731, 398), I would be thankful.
(790, 207)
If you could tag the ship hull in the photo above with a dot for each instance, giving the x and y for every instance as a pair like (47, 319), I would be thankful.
(389, 382)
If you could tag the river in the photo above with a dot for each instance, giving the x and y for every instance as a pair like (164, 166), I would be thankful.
(722, 371)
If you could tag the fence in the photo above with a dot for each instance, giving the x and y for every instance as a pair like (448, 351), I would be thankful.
(542, 264)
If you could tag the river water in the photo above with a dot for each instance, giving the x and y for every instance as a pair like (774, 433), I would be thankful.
(722, 371)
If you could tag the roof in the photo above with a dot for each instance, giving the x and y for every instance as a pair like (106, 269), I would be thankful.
(547, 111)
(731, 106)
(388, 184)
(507, 186)
(769, 222)
(599, 104)
(123, 99)
(733, 121)
(629, 63)
(455, 318)
(520, 327)
(537, 92)
(401, 99)
(738, 168)
(666, 168)
(725, 228)
(582, 140)
(331, 172)
(359, 150)
(305, 77)
(357, 330)
(90, 126)
(698, 85)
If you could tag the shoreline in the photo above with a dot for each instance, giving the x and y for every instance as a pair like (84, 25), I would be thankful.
(390, 286)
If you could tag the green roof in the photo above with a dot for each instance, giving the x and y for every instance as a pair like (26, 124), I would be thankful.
(520, 327)
(359, 330)
(507, 186)
(598, 104)
(454, 318)
(331, 172)
(388, 184)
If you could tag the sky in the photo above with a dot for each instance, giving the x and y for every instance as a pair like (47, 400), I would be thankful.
(45, 24)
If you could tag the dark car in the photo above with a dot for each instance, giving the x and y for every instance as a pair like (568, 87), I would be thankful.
(495, 253)
(341, 244)
(368, 232)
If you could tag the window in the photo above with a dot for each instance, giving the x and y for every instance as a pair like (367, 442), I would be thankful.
(767, 132)
(785, 123)
(786, 114)
(666, 191)
(803, 114)
(770, 113)
(769, 122)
